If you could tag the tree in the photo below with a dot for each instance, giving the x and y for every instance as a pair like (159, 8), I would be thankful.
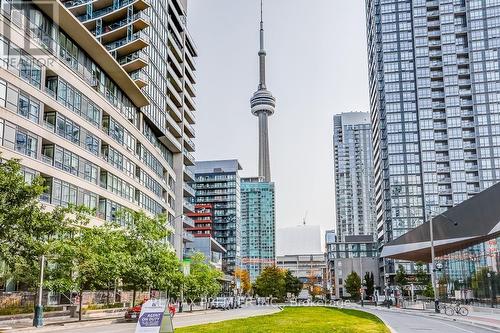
(27, 230)
(292, 284)
(369, 283)
(421, 275)
(244, 277)
(316, 291)
(149, 260)
(271, 282)
(202, 281)
(353, 285)
(401, 278)
(428, 291)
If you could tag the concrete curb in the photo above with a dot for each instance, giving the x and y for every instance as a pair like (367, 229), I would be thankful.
(446, 318)
(462, 321)
(64, 325)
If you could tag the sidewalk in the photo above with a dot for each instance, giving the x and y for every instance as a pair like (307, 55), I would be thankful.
(483, 319)
(90, 319)
(27, 321)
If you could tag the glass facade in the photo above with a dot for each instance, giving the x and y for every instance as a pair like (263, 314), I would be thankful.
(258, 226)
(71, 123)
(218, 183)
(354, 189)
(472, 274)
(434, 96)
(149, 39)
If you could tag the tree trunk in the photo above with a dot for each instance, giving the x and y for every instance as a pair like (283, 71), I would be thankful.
(133, 297)
(107, 296)
(80, 302)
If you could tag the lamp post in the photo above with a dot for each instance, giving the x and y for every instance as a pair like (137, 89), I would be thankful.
(433, 272)
(491, 289)
(362, 291)
(38, 317)
(433, 259)
(387, 290)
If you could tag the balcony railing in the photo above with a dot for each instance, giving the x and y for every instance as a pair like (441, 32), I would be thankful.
(128, 39)
(189, 173)
(133, 56)
(189, 205)
(74, 3)
(124, 22)
(189, 156)
(101, 12)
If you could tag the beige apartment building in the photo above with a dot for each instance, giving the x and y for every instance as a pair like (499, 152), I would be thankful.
(98, 99)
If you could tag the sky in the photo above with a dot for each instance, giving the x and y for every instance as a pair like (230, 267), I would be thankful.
(316, 67)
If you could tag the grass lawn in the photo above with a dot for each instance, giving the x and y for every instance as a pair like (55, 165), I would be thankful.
(298, 320)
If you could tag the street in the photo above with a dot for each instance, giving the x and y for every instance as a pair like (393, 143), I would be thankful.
(409, 323)
(180, 320)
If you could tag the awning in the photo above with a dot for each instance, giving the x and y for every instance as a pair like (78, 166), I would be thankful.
(471, 222)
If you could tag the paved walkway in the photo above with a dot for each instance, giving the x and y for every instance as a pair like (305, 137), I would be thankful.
(485, 320)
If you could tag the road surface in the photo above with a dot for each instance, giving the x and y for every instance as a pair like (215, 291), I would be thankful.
(182, 320)
(413, 323)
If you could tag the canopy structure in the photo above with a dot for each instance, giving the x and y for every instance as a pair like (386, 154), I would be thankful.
(471, 222)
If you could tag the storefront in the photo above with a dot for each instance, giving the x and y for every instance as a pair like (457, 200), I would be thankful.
(471, 275)
(467, 249)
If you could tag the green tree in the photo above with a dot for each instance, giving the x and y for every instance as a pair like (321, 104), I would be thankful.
(271, 282)
(369, 283)
(353, 285)
(27, 230)
(202, 281)
(292, 284)
(428, 291)
(421, 275)
(149, 260)
(401, 278)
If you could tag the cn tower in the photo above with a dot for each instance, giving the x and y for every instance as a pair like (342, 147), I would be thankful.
(263, 104)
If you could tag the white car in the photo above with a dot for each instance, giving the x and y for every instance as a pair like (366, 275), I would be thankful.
(220, 303)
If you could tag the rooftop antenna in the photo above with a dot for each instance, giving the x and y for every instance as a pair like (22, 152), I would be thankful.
(304, 219)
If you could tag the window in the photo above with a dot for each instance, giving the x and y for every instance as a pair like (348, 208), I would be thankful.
(65, 127)
(28, 107)
(26, 143)
(63, 193)
(91, 143)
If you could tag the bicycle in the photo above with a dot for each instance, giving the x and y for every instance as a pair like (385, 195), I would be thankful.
(451, 310)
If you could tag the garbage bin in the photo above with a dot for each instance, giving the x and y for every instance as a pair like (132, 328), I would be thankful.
(73, 311)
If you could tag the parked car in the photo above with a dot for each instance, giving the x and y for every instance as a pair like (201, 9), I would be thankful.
(133, 312)
(220, 303)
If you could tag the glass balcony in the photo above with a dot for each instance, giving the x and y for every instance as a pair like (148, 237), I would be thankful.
(140, 35)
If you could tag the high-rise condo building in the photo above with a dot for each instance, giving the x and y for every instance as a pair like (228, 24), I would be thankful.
(434, 97)
(353, 161)
(72, 114)
(202, 232)
(150, 41)
(218, 184)
(258, 239)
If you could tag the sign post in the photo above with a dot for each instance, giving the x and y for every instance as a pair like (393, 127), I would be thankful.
(154, 318)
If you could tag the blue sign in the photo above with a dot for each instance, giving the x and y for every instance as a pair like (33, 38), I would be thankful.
(151, 319)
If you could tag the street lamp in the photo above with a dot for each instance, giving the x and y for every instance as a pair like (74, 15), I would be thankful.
(363, 283)
(387, 290)
(38, 317)
(433, 259)
(491, 289)
(434, 268)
